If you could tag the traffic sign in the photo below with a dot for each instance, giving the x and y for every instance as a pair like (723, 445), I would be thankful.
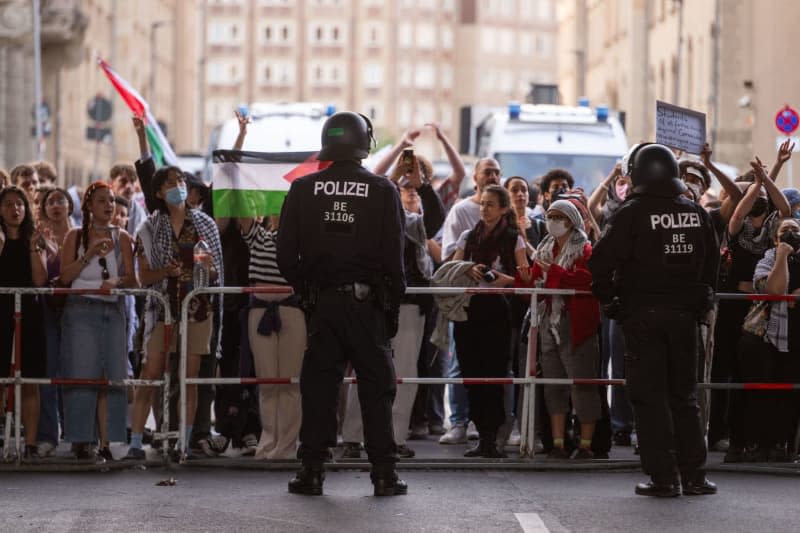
(99, 109)
(787, 120)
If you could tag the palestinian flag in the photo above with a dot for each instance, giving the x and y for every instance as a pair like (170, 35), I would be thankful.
(250, 184)
(159, 146)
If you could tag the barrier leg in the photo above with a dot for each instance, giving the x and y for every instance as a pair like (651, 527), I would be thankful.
(17, 373)
(165, 410)
(527, 433)
(182, 381)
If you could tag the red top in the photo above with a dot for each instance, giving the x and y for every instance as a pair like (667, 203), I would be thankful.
(584, 310)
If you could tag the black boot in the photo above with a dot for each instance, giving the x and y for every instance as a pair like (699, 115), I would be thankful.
(699, 486)
(307, 481)
(659, 489)
(388, 484)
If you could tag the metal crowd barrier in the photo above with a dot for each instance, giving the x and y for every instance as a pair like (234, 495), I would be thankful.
(15, 394)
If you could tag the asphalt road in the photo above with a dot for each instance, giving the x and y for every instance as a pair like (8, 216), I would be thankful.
(208, 499)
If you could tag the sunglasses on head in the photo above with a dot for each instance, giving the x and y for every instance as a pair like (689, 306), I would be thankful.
(104, 265)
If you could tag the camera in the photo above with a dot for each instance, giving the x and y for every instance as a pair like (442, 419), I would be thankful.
(488, 275)
(792, 239)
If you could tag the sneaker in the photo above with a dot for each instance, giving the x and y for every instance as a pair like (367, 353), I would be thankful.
(558, 453)
(583, 454)
(135, 454)
(538, 445)
(455, 435)
(213, 445)
(403, 452)
(46, 449)
(472, 432)
(418, 433)
(105, 453)
(351, 450)
(31, 455)
(622, 438)
(436, 429)
(249, 443)
(514, 438)
(722, 445)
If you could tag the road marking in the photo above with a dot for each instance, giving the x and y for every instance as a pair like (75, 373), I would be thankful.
(531, 523)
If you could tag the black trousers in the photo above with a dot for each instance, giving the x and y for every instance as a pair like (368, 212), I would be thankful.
(727, 406)
(483, 345)
(342, 329)
(770, 415)
(661, 371)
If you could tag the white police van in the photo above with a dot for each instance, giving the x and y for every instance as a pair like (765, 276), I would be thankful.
(528, 140)
(274, 128)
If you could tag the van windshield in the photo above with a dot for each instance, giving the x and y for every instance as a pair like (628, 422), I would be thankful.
(588, 170)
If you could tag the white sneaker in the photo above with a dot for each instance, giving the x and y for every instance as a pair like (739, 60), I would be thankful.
(514, 438)
(455, 435)
(472, 432)
(46, 449)
(538, 446)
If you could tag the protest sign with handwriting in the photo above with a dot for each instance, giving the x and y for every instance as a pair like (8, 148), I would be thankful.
(679, 127)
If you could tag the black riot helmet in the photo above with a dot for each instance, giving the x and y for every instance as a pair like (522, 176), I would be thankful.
(346, 136)
(654, 170)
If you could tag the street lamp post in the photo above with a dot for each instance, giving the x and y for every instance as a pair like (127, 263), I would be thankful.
(37, 78)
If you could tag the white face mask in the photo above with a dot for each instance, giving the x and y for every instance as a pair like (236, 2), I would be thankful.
(557, 228)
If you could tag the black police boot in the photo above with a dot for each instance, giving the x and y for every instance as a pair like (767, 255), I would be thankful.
(388, 484)
(307, 481)
(698, 487)
(659, 489)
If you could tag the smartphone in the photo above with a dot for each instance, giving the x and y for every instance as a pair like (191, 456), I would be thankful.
(408, 158)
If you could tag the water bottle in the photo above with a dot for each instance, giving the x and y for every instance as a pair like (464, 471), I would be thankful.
(200, 273)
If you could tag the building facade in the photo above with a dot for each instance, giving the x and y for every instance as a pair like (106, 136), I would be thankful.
(139, 40)
(726, 58)
(401, 62)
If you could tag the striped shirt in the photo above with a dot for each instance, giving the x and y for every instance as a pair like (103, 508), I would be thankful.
(263, 266)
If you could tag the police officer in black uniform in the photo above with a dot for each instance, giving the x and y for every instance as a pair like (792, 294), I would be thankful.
(654, 268)
(340, 246)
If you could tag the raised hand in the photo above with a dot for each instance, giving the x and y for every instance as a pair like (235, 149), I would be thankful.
(244, 120)
(705, 155)
(759, 172)
(409, 137)
(785, 151)
(138, 126)
(436, 129)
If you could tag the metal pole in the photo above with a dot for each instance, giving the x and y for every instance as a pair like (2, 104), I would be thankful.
(37, 76)
(183, 328)
(17, 373)
(527, 429)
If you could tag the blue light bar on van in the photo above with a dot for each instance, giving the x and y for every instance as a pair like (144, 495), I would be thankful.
(330, 110)
(583, 102)
(514, 109)
(602, 113)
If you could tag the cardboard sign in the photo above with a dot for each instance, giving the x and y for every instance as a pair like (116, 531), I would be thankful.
(679, 127)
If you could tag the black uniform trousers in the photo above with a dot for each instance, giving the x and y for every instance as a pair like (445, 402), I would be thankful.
(661, 372)
(342, 329)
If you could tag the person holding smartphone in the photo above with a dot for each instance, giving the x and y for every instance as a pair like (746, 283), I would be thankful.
(483, 340)
(769, 349)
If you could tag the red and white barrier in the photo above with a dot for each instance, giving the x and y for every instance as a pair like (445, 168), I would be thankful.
(15, 394)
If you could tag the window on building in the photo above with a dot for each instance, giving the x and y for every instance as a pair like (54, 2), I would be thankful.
(405, 35)
(268, 33)
(234, 32)
(335, 34)
(487, 41)
(373, 75)
(318, 73)
(424, 75)
(284, 33)
(334, 73)
(267, 73)
(318, 34)
(426, 36)
(446, 73)
(404, 74)
(446, 37)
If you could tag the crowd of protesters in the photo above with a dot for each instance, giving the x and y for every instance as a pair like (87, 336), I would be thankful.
(139, 228)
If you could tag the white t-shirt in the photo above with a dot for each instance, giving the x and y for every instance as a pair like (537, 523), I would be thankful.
(462, 217)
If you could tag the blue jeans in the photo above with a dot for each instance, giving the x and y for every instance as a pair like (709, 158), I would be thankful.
(49, 406)
(459, 407)
(613, 349)
(93, 345)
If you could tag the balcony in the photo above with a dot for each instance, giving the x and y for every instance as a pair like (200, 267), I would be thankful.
(63, 22)
(225, 9)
